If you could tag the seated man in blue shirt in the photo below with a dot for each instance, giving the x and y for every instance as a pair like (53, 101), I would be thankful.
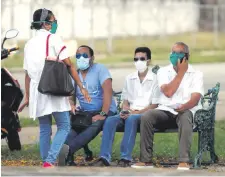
(97, 80)
(139, 95)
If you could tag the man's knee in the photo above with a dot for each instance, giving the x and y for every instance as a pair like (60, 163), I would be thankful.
(185, 118)
(112, 120)
(150, 116)
(133, 119)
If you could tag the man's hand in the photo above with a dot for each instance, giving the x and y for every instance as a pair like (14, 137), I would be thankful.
(124, 116)
(98, 117)
(181, 108)
(182, 67)
(25, 104)
(86, 95)
(135, 112)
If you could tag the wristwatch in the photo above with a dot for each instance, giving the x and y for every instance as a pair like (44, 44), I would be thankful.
(102, 113)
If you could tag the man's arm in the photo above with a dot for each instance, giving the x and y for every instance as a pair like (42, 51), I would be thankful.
(170, 88)
(126, 105)
(195, 98)
(152, 106)
(107, 95)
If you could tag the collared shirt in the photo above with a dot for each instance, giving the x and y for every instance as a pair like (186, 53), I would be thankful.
(96, 76)
(192, 82)
(141, 94)
(34, 59)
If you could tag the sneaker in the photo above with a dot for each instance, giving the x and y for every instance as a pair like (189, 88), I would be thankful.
(101, 162)
(183, 166)
(124, 163)
(63, 155)
(142, 165)
(47, 165)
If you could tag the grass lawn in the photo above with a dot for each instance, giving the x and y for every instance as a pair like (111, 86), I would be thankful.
(165, 149)
(202, 50)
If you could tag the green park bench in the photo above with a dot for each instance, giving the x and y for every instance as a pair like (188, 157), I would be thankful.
(204, 123)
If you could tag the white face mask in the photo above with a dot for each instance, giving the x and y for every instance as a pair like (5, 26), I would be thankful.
(141, 66)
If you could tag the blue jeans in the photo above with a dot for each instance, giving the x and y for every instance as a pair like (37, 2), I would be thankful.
(49, 153)
(77, 138)
(131, 124)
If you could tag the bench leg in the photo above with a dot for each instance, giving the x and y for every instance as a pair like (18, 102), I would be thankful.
(214, 157)
(205, 143)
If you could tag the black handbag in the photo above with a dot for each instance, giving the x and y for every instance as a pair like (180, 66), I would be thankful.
(82, 119)
(55, 78)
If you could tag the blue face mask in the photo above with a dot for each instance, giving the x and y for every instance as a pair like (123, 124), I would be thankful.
(174, 57)
(83, 63)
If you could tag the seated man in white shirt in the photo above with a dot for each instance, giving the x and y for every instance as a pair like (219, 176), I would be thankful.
(139, 95)
(181, 90)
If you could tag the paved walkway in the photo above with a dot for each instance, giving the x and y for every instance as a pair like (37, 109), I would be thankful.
(112, 171)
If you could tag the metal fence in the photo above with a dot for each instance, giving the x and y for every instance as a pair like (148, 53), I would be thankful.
(92, 20)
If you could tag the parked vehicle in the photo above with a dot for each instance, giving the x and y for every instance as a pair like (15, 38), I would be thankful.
(11, 98)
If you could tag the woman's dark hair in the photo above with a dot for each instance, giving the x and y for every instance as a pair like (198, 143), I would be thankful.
(91, 51)
(37, 17)
(144, 50)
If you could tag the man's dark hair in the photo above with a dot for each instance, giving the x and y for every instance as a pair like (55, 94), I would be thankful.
(37, 18)
(144, 50)
(91, 51)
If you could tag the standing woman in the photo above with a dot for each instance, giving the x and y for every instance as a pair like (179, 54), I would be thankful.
(40, 105)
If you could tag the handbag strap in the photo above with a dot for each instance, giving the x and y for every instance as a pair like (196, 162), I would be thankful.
(47, 48)
(60, 52)
(47, 45)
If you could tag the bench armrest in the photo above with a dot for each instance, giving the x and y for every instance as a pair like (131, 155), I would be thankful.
(205, 117)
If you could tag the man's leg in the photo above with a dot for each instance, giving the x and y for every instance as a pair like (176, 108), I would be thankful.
(109, 130)
(185, 129)
(151, 119)
(128, 142)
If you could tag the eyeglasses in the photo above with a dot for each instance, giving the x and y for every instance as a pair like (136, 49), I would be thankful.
(81, 55)
(139, 58)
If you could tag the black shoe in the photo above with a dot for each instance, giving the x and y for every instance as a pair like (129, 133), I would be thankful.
(89, 156)
(101, 162)
(124, 163)
(65, 157)
(70, 160)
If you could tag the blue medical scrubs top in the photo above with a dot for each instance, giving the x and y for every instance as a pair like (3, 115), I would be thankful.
(93, 81)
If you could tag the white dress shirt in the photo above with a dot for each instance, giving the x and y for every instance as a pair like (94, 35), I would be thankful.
(34, 59)
(192, 82)
(140, 95)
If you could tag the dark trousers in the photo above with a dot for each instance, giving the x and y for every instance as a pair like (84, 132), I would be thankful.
(163, 120)
(78, 139)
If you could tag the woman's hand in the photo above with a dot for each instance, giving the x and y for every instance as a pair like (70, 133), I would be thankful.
(86, 95)
(25, 104)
